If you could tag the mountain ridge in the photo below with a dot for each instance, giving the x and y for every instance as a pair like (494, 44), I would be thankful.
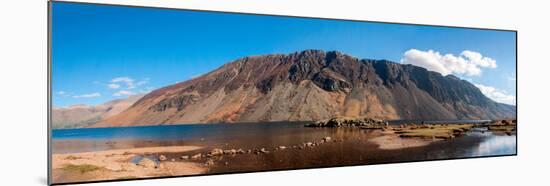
(82, 115)
(311, 85)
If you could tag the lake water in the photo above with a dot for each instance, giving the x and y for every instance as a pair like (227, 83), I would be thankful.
(353, 150)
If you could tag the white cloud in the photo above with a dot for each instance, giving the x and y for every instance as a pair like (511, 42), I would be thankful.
(468, 62)
(122, 79)
(123, 93)
(142, 82)
(91, 95)
(126, 80)
(146, 90)
(113, 85)
(61, 93)
(496, 94)
(128, 86)
(478, 59)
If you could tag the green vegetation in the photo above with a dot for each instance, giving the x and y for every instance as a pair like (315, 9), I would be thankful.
(71, 157)
(506, 129)
(433, 131)
(506, 126)
(84, 168)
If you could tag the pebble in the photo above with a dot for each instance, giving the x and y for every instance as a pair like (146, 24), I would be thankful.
(209, 162)
(196, 156)
(162, 158)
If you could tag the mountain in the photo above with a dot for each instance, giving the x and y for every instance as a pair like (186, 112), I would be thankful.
(311, 85)
(77, 116)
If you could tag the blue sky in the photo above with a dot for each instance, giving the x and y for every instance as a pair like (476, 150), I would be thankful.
(101, 53)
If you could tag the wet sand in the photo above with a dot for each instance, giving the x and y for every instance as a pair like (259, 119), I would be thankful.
(392, 141)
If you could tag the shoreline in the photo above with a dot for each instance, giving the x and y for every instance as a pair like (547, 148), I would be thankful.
(393, 122)
(325, 148)
(117, 164)
(389, 140)
(413, 134)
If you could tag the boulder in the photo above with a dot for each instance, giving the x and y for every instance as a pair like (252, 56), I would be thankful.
(209, 162)
(147, 163)
(216, 152)
(184, 157)
(162, 158)
(327, 139)
(240, 151)
(196, 156)
(230, 151)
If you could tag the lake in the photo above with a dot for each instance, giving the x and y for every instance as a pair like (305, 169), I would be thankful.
(354, 149)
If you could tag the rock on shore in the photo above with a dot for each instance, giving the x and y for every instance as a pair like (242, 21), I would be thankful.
(349, 122)
(147, 163)
(508, 126)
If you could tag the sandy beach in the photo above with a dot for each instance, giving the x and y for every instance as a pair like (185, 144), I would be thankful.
(391, 141)
(117, 164)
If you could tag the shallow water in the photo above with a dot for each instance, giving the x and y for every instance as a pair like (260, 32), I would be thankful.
(355, 148)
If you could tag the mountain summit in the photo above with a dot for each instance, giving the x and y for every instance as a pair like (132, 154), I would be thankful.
(311, 85)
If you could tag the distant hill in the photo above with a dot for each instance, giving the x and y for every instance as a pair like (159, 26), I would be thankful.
(77, 116)
(311, 85)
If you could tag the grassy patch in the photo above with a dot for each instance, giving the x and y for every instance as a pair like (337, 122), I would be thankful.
(434, 131)
(505, 128)
(127, 177)
(84, 168)
(71, 157)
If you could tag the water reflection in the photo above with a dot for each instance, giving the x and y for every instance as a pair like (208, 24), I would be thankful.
(493, 145)
(354, 149)
(496, 145)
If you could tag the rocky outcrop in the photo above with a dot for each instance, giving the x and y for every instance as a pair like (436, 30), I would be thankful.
(311, 85)
(349, 122)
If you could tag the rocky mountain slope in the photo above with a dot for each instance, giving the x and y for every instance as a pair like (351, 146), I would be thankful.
(311, 85)
(77, 116)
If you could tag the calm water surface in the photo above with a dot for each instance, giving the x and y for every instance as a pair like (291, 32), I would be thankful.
(354, 149)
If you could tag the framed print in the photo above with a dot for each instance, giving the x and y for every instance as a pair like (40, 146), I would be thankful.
(143, 92)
